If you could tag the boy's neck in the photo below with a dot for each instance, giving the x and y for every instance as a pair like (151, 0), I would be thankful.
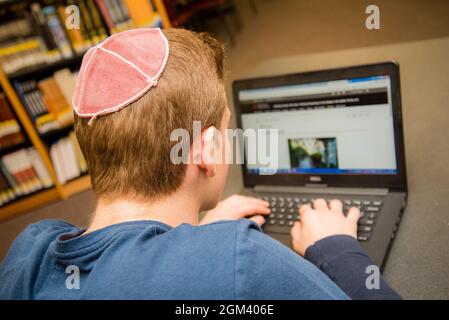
(172, 210)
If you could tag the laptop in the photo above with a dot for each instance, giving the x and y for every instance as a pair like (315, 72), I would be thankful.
(339, 136)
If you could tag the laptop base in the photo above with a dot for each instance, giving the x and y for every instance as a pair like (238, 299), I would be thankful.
(381, 213)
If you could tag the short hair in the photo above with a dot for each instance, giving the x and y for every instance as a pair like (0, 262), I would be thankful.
(128, 152)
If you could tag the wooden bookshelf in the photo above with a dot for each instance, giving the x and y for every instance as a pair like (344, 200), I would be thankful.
(29, 203)
(58, 191)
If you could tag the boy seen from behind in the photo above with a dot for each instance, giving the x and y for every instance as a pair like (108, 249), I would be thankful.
(145, 239)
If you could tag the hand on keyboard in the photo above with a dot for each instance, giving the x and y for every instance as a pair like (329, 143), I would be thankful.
(237, 207)
(322, 221)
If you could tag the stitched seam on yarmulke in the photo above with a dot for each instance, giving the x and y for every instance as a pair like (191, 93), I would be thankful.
(125, 60)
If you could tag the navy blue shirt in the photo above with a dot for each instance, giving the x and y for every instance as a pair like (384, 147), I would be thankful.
(151, 260)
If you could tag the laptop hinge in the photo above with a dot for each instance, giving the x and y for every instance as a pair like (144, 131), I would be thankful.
(321, 189)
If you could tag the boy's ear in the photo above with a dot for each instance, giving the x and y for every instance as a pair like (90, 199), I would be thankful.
(205, 155)
(203, 151)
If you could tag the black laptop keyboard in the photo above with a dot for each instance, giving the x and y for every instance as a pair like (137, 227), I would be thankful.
(284, 212)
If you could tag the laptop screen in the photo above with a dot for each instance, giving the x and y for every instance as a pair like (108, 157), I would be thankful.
(333, 127)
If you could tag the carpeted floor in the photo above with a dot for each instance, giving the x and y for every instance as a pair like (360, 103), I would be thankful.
(283, 27)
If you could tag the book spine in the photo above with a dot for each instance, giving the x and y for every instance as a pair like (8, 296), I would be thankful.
(8, 193)
(70, 160)
(12, 182)
(3, 190)
(29, 97)
(40, 105)
(37, 18)
(115, 14)
(106, 15)
(123, 12)
(13, 165)
(10, 130)
(57, 31)
(39, 167)
(32, 177)
(88, 22)
(54, 154)
(20, 92)
(96, 19)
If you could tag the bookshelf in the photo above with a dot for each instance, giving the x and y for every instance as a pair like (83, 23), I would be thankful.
(134, 13)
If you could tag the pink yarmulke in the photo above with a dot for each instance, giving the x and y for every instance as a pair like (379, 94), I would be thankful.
(119, 71)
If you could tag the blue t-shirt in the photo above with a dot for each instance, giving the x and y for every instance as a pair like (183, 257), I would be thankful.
(151, 260)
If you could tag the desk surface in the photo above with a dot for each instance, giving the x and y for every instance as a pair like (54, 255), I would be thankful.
(418, 264)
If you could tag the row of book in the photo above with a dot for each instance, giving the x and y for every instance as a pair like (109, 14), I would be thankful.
(67, 158)
(14, 29)
(44, 40)
(48, 101)
(54, 32)
(10, 131)
(22, 172)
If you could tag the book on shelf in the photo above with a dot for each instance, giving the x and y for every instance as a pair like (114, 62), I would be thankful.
(57, 31)
(48, 101)
(56, 102)
(19, 54)
(142, 13)
(121, 15)
(10, 131)
(92, 21)
(18, 28)
(67, 158)
(43, 35)
(22, 172)
(34, 44)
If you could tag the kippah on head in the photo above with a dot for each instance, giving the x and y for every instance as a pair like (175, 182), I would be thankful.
(119, 71)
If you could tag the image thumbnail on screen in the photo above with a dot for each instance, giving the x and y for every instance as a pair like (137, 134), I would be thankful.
(311, 153)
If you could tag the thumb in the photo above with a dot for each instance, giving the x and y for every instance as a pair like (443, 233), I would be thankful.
(353, 215)
(260, 220)
(295, 231)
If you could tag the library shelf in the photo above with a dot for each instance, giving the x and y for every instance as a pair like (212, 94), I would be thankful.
(28, 203)
(46, 68)
(43, 197)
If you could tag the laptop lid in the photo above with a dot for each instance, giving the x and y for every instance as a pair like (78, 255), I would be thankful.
(339, 127)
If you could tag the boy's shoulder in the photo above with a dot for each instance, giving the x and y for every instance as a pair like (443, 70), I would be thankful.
(45, 228)
(235, 237)
(47, 225)
(38, 234)
(236, 230)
